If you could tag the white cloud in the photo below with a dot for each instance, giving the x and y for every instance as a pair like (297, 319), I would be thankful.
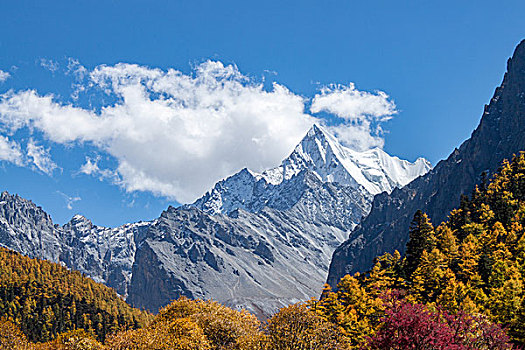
(176, 134)
(79, 73)
(41, 158)
(4, 76)
(10, 151)
(36, 156)
(358, 136)
(90, 167)
(172, 134)
(50, 65)
(349, 103)
(76, 69)
(69, 199)
(361, 113)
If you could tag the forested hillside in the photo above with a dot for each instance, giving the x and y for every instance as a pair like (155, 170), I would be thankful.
(44, 299)
(499, 135)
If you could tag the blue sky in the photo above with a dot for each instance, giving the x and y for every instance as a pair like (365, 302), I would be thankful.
(439, 62)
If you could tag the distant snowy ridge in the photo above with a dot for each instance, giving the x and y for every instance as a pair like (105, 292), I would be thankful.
(370, 172)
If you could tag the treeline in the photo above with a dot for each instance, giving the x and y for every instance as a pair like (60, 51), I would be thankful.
(206, 325)
(200, 325)
(459, 286)
(45, 299)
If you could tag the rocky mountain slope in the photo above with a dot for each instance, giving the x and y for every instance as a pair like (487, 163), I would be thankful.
(264, 240)
(500, 134)
(258, 241)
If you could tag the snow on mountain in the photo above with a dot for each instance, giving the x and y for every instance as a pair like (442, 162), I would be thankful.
(105, 254)
(371, 172)
(263, 240)
(256, 240)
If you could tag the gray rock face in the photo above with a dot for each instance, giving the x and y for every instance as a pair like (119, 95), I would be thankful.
(258, 241)
(26, 228)
(104, 254)
(261, 261)
(500, 134)
(262, 241)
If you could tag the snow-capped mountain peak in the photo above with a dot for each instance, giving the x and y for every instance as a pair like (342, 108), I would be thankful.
(373, 169)
(370, 172)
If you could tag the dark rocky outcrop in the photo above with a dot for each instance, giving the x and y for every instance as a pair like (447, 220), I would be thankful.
(156, 286)
(500, 134)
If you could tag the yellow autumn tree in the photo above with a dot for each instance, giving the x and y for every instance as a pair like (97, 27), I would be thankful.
(296, 327)
(177, 334)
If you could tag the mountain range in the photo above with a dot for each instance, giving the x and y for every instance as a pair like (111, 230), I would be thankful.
(263, 240)
(255, 240)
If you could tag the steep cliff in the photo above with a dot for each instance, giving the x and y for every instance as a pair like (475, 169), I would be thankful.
(500, 134)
